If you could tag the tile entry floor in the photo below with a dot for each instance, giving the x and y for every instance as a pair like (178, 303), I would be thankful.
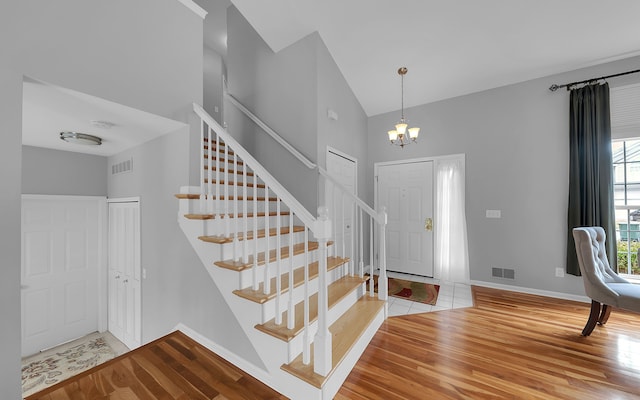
(451, 295)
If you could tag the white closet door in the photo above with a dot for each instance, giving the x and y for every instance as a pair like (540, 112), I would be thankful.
(124, 278)
(406, 190)
(61, 262)
(344, 169)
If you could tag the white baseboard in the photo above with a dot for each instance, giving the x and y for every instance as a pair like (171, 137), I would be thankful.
(521, 289)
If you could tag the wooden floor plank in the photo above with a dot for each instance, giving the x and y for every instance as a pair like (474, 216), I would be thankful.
(508, 346)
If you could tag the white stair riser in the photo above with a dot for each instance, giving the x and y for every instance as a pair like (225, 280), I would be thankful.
(296, 344)
(228, 248)
(216, 226)
(298, 294)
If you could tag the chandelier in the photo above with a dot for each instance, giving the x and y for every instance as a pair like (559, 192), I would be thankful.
(399, 136)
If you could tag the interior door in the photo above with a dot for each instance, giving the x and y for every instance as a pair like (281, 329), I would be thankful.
(344, 169)
(406, 190)
(61, 263)
(124, 276)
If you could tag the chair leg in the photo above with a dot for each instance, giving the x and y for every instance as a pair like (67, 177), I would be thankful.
(593, 318)
(604, 314)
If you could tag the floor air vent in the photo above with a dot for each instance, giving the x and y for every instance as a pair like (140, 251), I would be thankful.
(503, 273)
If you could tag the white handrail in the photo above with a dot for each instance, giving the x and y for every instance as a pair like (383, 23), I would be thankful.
(294, 205)
(308, 163)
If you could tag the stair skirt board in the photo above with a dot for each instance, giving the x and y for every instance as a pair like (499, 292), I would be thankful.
(279, 348)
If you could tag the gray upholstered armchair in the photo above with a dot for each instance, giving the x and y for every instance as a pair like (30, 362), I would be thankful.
(605, 288)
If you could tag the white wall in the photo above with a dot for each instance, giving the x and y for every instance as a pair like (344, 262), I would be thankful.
(516, 143)
(145, 54)
(55, 172)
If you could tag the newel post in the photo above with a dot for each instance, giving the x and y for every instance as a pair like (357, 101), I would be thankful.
(322, 342)
(382, 277)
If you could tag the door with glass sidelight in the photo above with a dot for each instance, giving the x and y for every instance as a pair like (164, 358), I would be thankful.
(124, 272)
(406, 191)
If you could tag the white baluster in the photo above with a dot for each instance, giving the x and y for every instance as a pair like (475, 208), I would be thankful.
(322, 342)
(360, 242)
(203, 192)
(227, 228)
(267, 282)
(306, 342)
(291, 314)
(382, 278)
(278, 266)
(371, 260)
(210, 172)
(236, 222)
(255, 231)
(218, 200)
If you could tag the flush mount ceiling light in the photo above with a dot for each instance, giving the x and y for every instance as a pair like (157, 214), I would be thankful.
(81, 138)
(399, 135)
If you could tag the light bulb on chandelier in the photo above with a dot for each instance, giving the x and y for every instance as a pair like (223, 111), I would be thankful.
(402, 136)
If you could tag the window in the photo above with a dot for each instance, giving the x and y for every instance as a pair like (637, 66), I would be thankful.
(625, 133)
(626, 171)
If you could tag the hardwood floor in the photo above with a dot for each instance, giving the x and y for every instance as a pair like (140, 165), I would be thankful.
(509, 346)
(172, 367)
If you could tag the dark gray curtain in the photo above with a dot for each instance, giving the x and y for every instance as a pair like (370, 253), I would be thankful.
(590, 169)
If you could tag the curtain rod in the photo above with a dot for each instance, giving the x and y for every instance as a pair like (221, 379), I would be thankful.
(555, 87)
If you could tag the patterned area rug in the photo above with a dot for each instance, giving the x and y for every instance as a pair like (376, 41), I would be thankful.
(426, 293)
(54, 365)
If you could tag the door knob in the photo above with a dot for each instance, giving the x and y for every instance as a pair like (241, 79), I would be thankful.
(125, 281)
(117, 276)
(428, 224)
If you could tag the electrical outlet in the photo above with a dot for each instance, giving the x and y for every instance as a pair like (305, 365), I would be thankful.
(560, 272)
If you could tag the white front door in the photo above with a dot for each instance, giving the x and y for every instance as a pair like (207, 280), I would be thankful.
(124, 277)
(344, 169)
(62, 258)
(406, 191)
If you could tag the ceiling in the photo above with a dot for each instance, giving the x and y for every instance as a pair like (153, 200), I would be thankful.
(48, 110)
(451, 47)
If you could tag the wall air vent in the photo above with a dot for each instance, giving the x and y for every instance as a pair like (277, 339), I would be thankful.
(122, 167)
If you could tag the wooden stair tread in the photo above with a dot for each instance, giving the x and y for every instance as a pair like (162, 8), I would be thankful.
(345, 333)
(337, 290)
(259, 296)
(233, 183)
(223, 160)
(221, 239)
(230, 172)
(240, 215)
(223, 151)
(192, 196)
(284, 254)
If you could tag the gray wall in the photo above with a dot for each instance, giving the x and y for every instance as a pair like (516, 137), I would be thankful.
(145, 54)
(291, 92)
(349, 133)
(178, 287)
(280, 88)
(213, 70)
(517, 148)
(55, 172)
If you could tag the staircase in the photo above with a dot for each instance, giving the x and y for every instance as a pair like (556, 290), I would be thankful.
(299, 296)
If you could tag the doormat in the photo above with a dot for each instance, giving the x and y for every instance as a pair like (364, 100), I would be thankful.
(55, 365)
(420, 292)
